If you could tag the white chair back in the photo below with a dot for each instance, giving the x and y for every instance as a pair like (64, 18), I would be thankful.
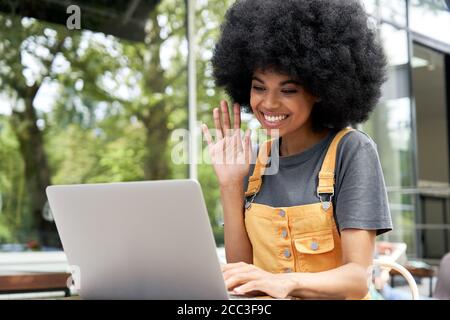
(402, 270)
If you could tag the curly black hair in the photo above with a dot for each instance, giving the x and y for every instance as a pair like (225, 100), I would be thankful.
(326, 45)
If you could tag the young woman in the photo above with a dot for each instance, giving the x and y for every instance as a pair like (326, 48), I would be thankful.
(307, 70)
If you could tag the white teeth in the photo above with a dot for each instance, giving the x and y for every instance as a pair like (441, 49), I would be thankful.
(274, 118)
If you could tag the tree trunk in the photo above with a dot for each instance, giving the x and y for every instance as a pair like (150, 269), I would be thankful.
(156, 166)
(155, 118)
(37, 171)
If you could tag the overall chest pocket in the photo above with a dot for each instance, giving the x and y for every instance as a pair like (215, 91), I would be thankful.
(315, 251)
(316, 243)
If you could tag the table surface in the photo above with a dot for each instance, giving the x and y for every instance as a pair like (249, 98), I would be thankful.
(33, 281)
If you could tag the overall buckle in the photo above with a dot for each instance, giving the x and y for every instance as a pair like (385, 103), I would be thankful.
(325, 204)
(248, 203)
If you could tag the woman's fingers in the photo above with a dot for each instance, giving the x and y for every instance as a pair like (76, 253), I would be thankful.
(238, 141)
(225, 118)
(239, 270)
(250, 286)
(235, 147)
(237, 116)
(248, 152)
(234, 265)
(222, 120)
(239, 279)
(207, 134)
(217, 124)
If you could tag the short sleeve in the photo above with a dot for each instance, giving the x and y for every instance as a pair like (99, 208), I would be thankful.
(361, 200)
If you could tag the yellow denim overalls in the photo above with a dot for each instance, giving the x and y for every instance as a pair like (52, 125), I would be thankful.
(300, 238)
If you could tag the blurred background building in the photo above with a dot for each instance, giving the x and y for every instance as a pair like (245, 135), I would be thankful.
(99, 104)
(410, 125)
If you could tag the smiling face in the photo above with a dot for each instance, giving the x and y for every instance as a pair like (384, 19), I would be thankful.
(279, 102)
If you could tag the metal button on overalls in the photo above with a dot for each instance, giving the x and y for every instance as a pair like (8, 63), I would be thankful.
(287, 253)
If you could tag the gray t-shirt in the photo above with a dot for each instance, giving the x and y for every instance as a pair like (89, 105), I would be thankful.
(360, 199)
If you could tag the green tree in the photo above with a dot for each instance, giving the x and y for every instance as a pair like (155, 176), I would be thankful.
(87, 68)
(110, 108)
(21, 84)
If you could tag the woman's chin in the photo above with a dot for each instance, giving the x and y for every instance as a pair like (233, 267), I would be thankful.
(274, 133)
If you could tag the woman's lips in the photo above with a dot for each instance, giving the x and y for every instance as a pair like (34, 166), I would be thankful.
(273, 120)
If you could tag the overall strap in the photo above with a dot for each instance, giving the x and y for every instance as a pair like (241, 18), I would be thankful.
(255, 180)
(326, 174)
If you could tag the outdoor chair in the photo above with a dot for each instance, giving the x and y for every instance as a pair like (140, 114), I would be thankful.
(385, 263)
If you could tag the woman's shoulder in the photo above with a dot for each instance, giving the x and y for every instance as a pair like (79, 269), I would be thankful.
(356, 140)
(357, 146)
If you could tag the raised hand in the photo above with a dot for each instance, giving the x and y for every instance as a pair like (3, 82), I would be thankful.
(230, 154)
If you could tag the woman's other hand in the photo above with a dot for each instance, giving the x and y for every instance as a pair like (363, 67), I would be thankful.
(242, 278)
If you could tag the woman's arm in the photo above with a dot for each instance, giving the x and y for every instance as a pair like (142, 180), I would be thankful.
(237, 244)
(346, 282)
(231, 157)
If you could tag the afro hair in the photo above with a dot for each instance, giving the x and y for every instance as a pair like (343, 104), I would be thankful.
(326, 45)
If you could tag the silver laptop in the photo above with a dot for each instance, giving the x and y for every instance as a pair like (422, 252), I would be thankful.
(138, 240)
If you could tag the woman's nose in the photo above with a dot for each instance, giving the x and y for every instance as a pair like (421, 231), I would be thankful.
(270, 101)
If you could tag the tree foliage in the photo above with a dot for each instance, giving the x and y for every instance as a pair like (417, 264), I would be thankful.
(84, 107)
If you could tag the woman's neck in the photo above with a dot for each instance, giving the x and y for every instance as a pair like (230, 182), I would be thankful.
(301, 140)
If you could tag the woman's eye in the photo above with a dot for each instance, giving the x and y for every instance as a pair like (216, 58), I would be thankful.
(291, 91)
(257, 88)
